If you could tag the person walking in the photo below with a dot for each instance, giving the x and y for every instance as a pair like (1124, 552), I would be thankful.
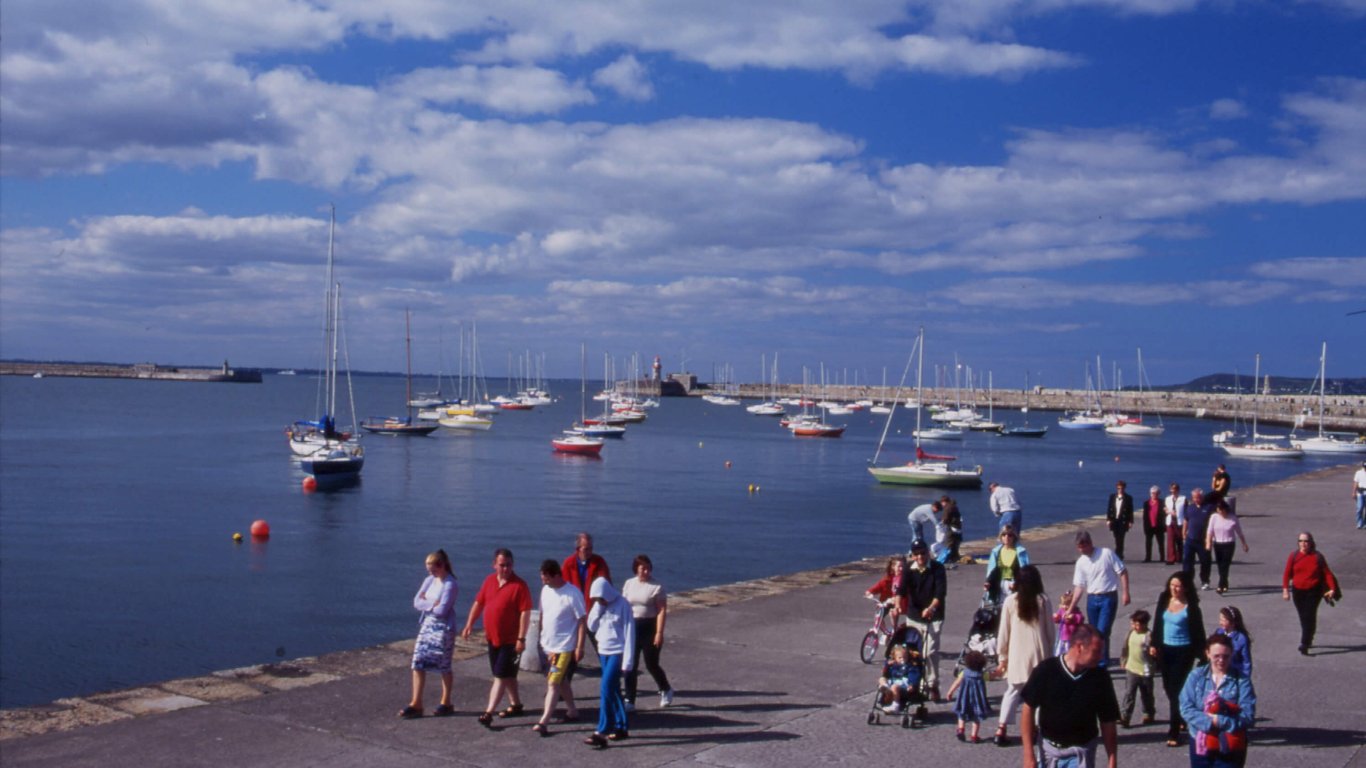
(1359, 494)
(1220, 534)
(1231, 625)
(435, 600)
(1218, 704)
(1175, 520)
(610, 621)
(1006, 507)
(649, 609)
(924, 586)
(584, 566)
(1102, 577)
(1074, 706)
(1221, 482)
(1006, 559)
(1193, 535)
(1178, 636)
(563, 618)
(1119, 515)
(1308, 581)
(1154, 525)
(504, 600)
(1024, 639)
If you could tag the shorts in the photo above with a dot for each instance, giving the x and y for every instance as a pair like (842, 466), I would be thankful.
(562, 666)
(503, 660)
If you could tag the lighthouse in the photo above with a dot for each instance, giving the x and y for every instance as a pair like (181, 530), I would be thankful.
(655, 369)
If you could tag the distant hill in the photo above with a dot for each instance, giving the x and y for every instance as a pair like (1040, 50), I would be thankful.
(1280, 385)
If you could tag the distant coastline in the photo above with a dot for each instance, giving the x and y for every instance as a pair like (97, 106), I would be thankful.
(146, 371)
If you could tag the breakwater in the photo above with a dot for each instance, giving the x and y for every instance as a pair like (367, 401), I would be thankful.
(1346, 412)
(149, 371)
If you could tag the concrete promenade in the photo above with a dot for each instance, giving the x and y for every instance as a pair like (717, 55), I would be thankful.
(767, 674)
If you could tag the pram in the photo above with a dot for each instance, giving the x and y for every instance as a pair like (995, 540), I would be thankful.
(909, 704)
(982, 636)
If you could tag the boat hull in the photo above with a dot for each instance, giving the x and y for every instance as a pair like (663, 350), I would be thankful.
(1024, 432)
(1329, 445)
(582, 446)
(1134, 430)
(932, 475)
(1262, 451)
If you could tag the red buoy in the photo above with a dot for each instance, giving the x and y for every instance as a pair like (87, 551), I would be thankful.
(260, 530)
(310, 484)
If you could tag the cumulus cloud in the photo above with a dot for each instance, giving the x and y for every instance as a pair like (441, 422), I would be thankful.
(1227, 109)
(627, 77)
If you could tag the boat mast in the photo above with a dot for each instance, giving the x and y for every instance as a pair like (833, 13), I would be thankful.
(1323, 382)
(408, 345)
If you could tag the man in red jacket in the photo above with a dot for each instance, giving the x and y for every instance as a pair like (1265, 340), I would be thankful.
(583, 566)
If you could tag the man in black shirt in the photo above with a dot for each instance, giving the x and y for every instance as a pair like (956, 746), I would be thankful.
(921, 603)
(1075, 704)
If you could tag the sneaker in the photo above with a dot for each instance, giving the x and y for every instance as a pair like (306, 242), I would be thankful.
(894, 708)
(630, 706)
(1205, 585)
(666, 698)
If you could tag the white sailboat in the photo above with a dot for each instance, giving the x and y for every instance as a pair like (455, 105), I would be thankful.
(1091, 417)
(1134, 427)
(1328, 442)
(333, 453)
(926, 469)
(1255, 448)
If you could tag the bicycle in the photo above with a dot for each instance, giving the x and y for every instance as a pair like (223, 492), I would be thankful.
(877, 635)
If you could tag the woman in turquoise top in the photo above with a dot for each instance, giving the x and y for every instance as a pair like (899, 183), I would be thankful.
(1178, 638)
(1219, 704)
(1007, 558)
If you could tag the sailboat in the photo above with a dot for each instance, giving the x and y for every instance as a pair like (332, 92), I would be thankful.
(770, 406)
(1025, 430)
(333, 453)
(810, 425)
(1134, 427)
(469, 414)
(1091, 417)
(401, 425)
(927, 469)
(603, 427)
(572, 441)
(1328, 442)
(1255, 448)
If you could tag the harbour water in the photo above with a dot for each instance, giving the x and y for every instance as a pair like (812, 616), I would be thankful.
(118, 501)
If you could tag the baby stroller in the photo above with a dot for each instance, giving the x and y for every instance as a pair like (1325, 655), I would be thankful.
(909, 703)
(982, 636)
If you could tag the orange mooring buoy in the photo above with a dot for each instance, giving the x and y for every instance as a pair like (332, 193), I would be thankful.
(310, 484)
(260, 530)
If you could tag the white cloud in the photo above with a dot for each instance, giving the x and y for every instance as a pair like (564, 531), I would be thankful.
(1227, 109)
(627, 77)
(520, 90)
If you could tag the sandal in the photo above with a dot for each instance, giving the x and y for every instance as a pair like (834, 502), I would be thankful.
(618, 736)
(410, 713)
(443, 710)
(597, 741)
(1173, 742)
(512, 711)
(541, 728)
(486, 719)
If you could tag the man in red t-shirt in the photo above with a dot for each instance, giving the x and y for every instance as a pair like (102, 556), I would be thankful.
(505, 601)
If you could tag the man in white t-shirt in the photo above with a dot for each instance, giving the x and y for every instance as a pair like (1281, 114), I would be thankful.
(562, 633)
(1102, 577)
(1359, 491)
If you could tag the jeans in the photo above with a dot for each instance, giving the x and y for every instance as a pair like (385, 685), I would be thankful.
(1307, 606)
(1223, 558)
(1193, 550)
(1100, 612)
(1217, 759)
(1361, 509)
(645, 643)
(612, 710)
(1177, 661)
(1013, 518)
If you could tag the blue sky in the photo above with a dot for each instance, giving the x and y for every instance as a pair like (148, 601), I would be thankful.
(1035, 182)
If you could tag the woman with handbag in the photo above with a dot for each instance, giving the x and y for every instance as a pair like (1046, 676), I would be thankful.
(1308, 580)
(1218, 704)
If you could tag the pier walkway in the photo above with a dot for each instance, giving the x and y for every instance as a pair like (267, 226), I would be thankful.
(767, 675)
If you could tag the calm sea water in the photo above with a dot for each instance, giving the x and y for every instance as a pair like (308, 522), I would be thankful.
(118, 501)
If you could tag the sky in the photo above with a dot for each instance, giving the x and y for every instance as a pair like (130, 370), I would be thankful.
(1035, 182)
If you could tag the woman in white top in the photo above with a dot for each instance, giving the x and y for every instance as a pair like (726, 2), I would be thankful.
(1024, 639)
(649, 606)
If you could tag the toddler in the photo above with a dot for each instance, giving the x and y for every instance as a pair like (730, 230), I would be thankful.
(899, 676)
(1067, 618)
(1138, 673)
(970, 702)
